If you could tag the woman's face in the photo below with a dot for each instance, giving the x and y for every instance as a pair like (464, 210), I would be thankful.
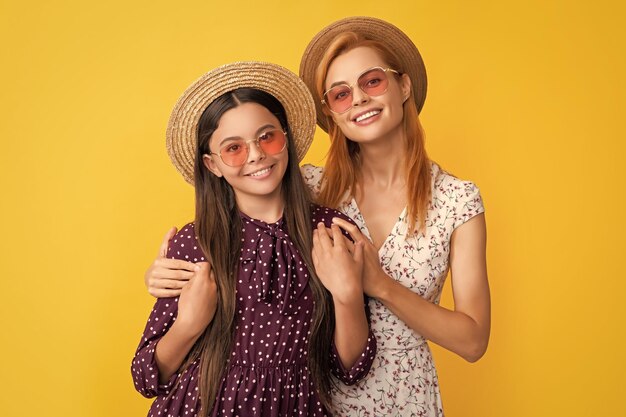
(369, 118)
(260, 176)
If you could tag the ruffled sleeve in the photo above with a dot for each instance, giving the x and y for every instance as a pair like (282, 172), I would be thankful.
(360, 368)
(144, 368)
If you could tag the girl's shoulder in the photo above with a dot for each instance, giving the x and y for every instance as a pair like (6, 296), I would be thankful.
(312, 177)
(184, 245)
(320, 214)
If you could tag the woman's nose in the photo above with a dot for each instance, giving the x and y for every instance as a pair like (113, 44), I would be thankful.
(359, 97)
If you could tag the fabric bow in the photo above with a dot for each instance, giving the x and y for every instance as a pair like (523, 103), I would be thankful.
(271, 262)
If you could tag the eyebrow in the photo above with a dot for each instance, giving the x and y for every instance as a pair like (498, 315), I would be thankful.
(336, 83)
(257, 133)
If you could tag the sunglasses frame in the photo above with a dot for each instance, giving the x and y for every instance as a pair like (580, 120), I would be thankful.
(351, 87)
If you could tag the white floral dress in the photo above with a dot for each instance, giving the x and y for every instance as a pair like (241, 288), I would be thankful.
(402, 380)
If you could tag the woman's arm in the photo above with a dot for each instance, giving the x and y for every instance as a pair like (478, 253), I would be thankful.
(464, 330)
(166, 277)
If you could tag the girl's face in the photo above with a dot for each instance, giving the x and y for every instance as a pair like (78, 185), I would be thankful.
(261, 173)
(369, 117)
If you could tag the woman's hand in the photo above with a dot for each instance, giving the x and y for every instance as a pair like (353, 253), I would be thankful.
(166, 277)
(198, 301)
(374, 277)
(339, 267)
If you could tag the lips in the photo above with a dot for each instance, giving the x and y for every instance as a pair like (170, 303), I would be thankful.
(366, 115)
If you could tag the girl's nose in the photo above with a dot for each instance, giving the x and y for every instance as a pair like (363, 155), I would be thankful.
(255, 153)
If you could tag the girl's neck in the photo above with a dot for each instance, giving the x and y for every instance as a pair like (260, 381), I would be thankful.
(268, 208)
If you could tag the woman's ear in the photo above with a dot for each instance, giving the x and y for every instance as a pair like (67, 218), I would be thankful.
(210, 164)
(405, 86)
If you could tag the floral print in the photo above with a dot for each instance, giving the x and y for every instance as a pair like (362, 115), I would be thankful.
(403, 380)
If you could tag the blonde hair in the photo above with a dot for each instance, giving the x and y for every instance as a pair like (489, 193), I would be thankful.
(344, 160)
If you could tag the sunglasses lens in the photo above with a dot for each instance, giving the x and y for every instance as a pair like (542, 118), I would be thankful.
(339, 98)
(235, 153)
(272, 141)
(374, 82)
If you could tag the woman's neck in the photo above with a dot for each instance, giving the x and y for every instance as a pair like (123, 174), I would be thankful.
(383, 163)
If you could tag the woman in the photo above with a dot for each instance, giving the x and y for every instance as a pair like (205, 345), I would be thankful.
(416, 221)
(255, 331)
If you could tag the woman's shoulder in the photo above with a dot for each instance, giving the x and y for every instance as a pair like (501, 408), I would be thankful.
(445, 183)
(312, 177)
(184, 245)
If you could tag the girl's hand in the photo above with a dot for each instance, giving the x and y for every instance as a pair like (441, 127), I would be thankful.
(339, 268)
(166, 277)
(198, 301)
(373, 275)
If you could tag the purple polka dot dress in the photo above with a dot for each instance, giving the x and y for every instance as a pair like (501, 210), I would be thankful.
(267, 374)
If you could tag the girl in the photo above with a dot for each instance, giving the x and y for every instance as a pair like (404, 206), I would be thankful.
(254, 331)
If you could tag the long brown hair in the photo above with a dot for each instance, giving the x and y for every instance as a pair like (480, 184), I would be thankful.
(343, 163)
(218, 229)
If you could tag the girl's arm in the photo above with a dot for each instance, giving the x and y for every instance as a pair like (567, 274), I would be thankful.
(341, 273)
(464, 330)
(196, 308)
(144, 369)
(175, 323)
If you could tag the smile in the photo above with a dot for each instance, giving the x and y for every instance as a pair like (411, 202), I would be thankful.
(366, 115)
(260, 172)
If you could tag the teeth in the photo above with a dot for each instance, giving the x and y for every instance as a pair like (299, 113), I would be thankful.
(367, 115)
(259, 173)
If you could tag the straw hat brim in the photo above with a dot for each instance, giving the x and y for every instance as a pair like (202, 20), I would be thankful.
(373, 29)
(284, 85)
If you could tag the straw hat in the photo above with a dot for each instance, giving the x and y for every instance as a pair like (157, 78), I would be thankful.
(373, 29)
(284, 85)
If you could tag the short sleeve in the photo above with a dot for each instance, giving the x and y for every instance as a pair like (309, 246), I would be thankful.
(469, 203)
(312, 177)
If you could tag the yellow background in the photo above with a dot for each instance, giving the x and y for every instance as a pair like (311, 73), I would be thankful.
(525, 98)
